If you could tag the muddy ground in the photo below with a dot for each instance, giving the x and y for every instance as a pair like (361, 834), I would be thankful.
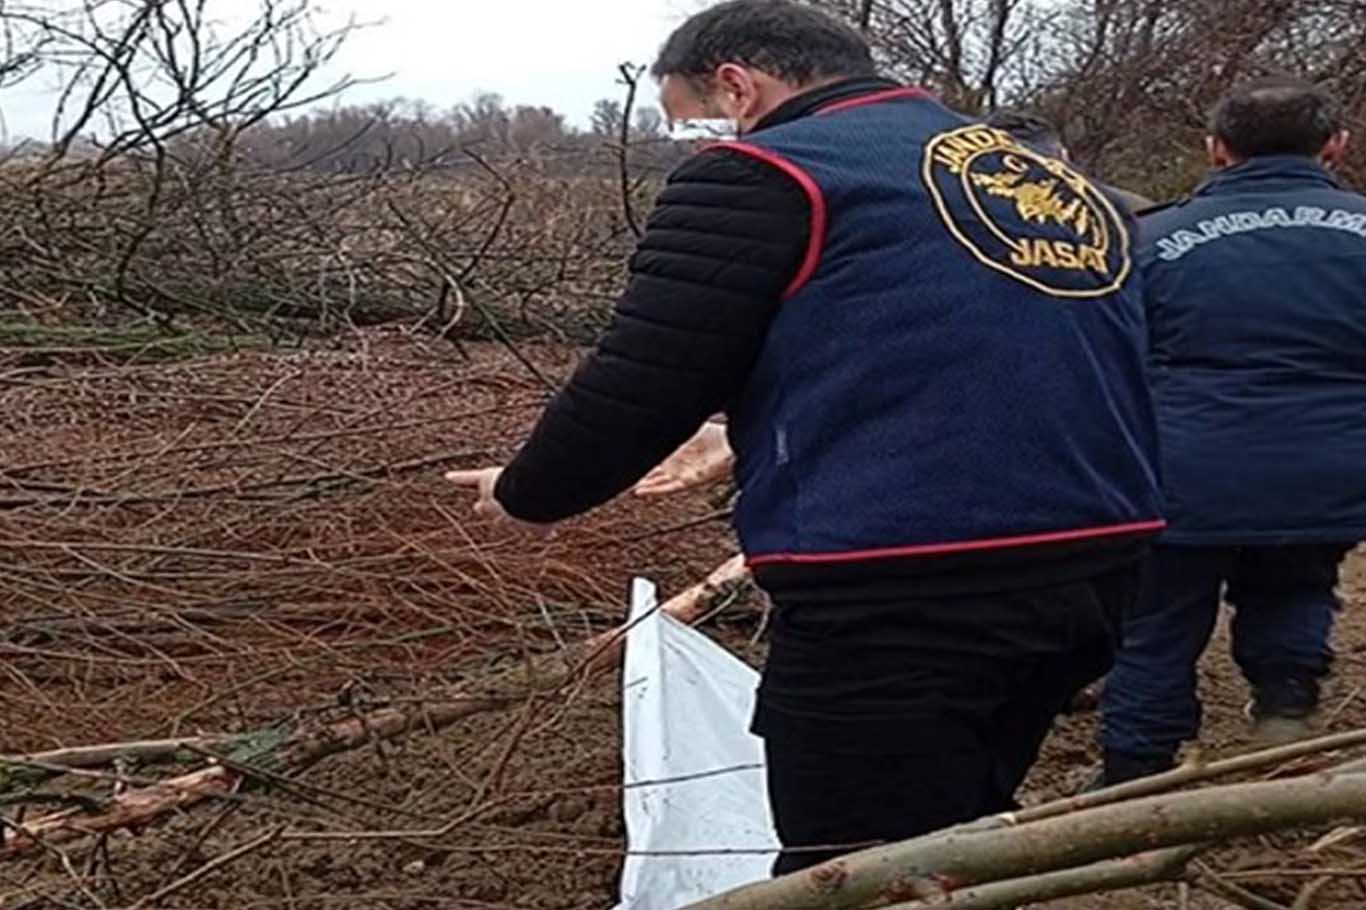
(153, 584)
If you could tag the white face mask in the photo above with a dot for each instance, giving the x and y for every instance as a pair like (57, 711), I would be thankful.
(723, 122)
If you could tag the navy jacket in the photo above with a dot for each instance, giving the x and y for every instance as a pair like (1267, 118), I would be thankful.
(958, 365)
(1256, 298)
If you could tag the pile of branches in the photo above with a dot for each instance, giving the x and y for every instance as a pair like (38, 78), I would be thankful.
(217, 572)
(267, 527)
(250, 562)
(1148, 831)
(1157, 830)
(1169, 828)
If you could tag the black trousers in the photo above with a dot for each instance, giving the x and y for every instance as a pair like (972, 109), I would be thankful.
(1284, 604)
(889, 720)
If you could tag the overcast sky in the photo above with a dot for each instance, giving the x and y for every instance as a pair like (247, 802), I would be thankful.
(560, 53)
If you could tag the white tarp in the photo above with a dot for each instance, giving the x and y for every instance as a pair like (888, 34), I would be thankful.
(694, 774)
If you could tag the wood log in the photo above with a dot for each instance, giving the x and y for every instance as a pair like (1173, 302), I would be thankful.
(1114, 875)
(937, 866)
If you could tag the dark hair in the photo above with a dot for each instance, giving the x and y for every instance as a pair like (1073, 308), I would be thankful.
(1034, 130)
(786, 40)
(1279, 115)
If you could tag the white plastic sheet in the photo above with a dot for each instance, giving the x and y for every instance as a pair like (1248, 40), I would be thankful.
(694, 774)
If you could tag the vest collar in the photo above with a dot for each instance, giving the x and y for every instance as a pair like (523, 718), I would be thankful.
(1268, 174)
(808, 103)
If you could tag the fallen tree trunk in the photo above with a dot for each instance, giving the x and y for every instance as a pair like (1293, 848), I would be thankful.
(937, 866)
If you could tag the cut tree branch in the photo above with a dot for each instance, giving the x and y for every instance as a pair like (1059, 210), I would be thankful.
(1114, 875)
(938, 865)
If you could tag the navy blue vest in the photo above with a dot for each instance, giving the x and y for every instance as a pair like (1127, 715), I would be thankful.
(959, 363)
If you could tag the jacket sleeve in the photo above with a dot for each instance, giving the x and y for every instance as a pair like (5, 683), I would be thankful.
(725, 239)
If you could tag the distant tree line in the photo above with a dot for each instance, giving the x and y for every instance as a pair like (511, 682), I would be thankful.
(406, 133)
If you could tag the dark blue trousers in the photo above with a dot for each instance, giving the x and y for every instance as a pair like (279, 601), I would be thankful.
(1285, 605)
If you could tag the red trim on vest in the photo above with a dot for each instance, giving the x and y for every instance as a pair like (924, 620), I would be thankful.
(891, 94)
(940, 549)
(815, 245)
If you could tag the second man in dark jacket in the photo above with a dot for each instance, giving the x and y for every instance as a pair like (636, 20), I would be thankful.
(1256, 289)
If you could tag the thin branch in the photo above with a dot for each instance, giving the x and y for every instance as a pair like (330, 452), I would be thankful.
(630, 77)
(1206, 878)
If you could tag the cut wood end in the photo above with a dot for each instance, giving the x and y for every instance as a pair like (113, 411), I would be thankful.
(131, 809)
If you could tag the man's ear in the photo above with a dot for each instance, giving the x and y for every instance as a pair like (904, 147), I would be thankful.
(737, 90)
(1335, 152)
(1220, 155)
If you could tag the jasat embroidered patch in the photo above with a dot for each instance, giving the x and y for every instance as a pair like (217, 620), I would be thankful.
(1025, 214)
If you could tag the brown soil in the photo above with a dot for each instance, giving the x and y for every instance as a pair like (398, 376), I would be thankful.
(386, 592)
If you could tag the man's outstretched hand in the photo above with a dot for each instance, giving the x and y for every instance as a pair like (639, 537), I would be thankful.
(482, 482)
(704, 459)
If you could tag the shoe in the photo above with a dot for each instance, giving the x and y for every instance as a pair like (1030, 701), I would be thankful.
(1277, 727)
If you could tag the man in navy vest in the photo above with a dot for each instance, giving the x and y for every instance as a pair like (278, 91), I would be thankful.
(928, 341)
(1256, 299)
